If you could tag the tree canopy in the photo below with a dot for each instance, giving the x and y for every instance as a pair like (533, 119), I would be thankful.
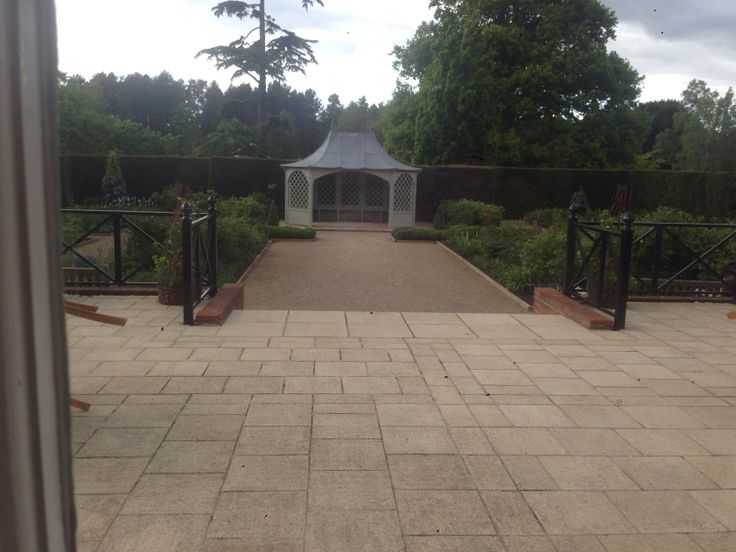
(516, 82)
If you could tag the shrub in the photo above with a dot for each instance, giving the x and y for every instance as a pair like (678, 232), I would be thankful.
(440, 220)
(467, 246)
(250, 208)
(273, 215)
(288, 232)
(505, 243)
(549, 216)
(466, 211)
(417, 234)
(541, 263)
(238, 243)
(465, 230)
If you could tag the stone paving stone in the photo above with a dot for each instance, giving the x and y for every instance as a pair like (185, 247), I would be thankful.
(488, 473)
(83, 428)
(468, 386)
(649, 543)
(577, 543)
(528, 544)
(180, 385)
(351, 369)
(454, 544)
(721, 504)
(470, 440)
(535, 415)
(268, 473)
(279, 415)
(370, 385)
(413, 385)
(137, 415)
(600, 416)
(443, 513)
(134, 385)
(662, 442)
(719, 469)
(417, 440)
(662, 417)
(254, 384)
(358, 329)
(586, 473)
(722, 542)
(501, 377)
(457, 415)
(315, 329)
(395, 369)
(353, 530)
(350, 490)
(347, 454)
(675, 388)
(100, 354)
(262, 518)
(265, 354)
(123, 442)
(364, 355)
(409, 415)
(577, 512)
(245, 545)
(206, 428)
(290, 368)
(252, 329)
(95, 514)
(716, 441)
(345, 426)
(564, 386)
(128, 368)
(716, 417)
(178, 368)
(435, 471)
(664, 473)
(313, 385)
(593, 442)
(107, 475)
(488, 415)
(273, 440)
(664, 512)
(191, 457)
(174, 494)
(315, 354)
(534, 441)
(167, 353)
(344, 408)
(445, 394)
(179, 533)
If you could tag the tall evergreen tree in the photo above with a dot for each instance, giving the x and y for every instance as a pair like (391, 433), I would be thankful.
(261, 59)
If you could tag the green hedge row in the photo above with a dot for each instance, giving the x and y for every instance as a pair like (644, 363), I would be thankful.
(517, 190)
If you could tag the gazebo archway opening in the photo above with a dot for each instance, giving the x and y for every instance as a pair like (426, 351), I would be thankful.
(351, 196)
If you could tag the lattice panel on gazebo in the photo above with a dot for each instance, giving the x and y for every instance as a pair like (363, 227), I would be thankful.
(298, 191)
(350, 189)
(326, 190)
(404, 194)
(374, 193)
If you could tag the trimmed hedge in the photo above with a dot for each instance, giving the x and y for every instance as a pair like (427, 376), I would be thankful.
(411, 233)
(518, 190)
(289, 232)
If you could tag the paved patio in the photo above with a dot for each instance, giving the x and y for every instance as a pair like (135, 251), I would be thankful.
(332, 431)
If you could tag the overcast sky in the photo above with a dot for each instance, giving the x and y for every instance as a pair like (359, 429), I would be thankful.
(668, 41)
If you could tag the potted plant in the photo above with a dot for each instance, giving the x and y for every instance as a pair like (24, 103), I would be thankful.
(167, 267)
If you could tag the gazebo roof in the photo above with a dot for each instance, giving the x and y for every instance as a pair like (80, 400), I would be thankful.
(351, 151)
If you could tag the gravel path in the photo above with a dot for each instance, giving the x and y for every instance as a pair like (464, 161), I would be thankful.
(368, 271)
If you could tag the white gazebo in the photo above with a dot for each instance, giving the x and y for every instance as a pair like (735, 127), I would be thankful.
(351, 178)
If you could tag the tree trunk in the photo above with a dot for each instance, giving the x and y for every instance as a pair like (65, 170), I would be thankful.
(262, 71)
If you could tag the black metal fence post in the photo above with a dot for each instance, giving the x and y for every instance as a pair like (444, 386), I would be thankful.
(571, 243)
(117, 248)
(624, 271)
(186, 262)
(212, 246)
(654, 284)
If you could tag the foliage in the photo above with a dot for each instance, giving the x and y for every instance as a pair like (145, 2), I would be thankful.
(541, 262)
(470, 212)
(703, 134)
(546, 217)
(251, 208)
(168, 273)
(261, 58)
(238, 242)
(516, 83)
(416, 234)
(113, 183)
(358, 117)
(289, 232)
(272, 219)
(168, 264)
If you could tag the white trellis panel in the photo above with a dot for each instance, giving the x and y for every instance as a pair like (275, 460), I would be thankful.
(299, 198)
(403, 201)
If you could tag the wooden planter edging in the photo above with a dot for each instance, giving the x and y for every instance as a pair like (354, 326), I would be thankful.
(551, 301)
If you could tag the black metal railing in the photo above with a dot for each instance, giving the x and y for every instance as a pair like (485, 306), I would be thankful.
(675, 269)
(199, 257)
(605, 267)
(597, 265)
(117, 224)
